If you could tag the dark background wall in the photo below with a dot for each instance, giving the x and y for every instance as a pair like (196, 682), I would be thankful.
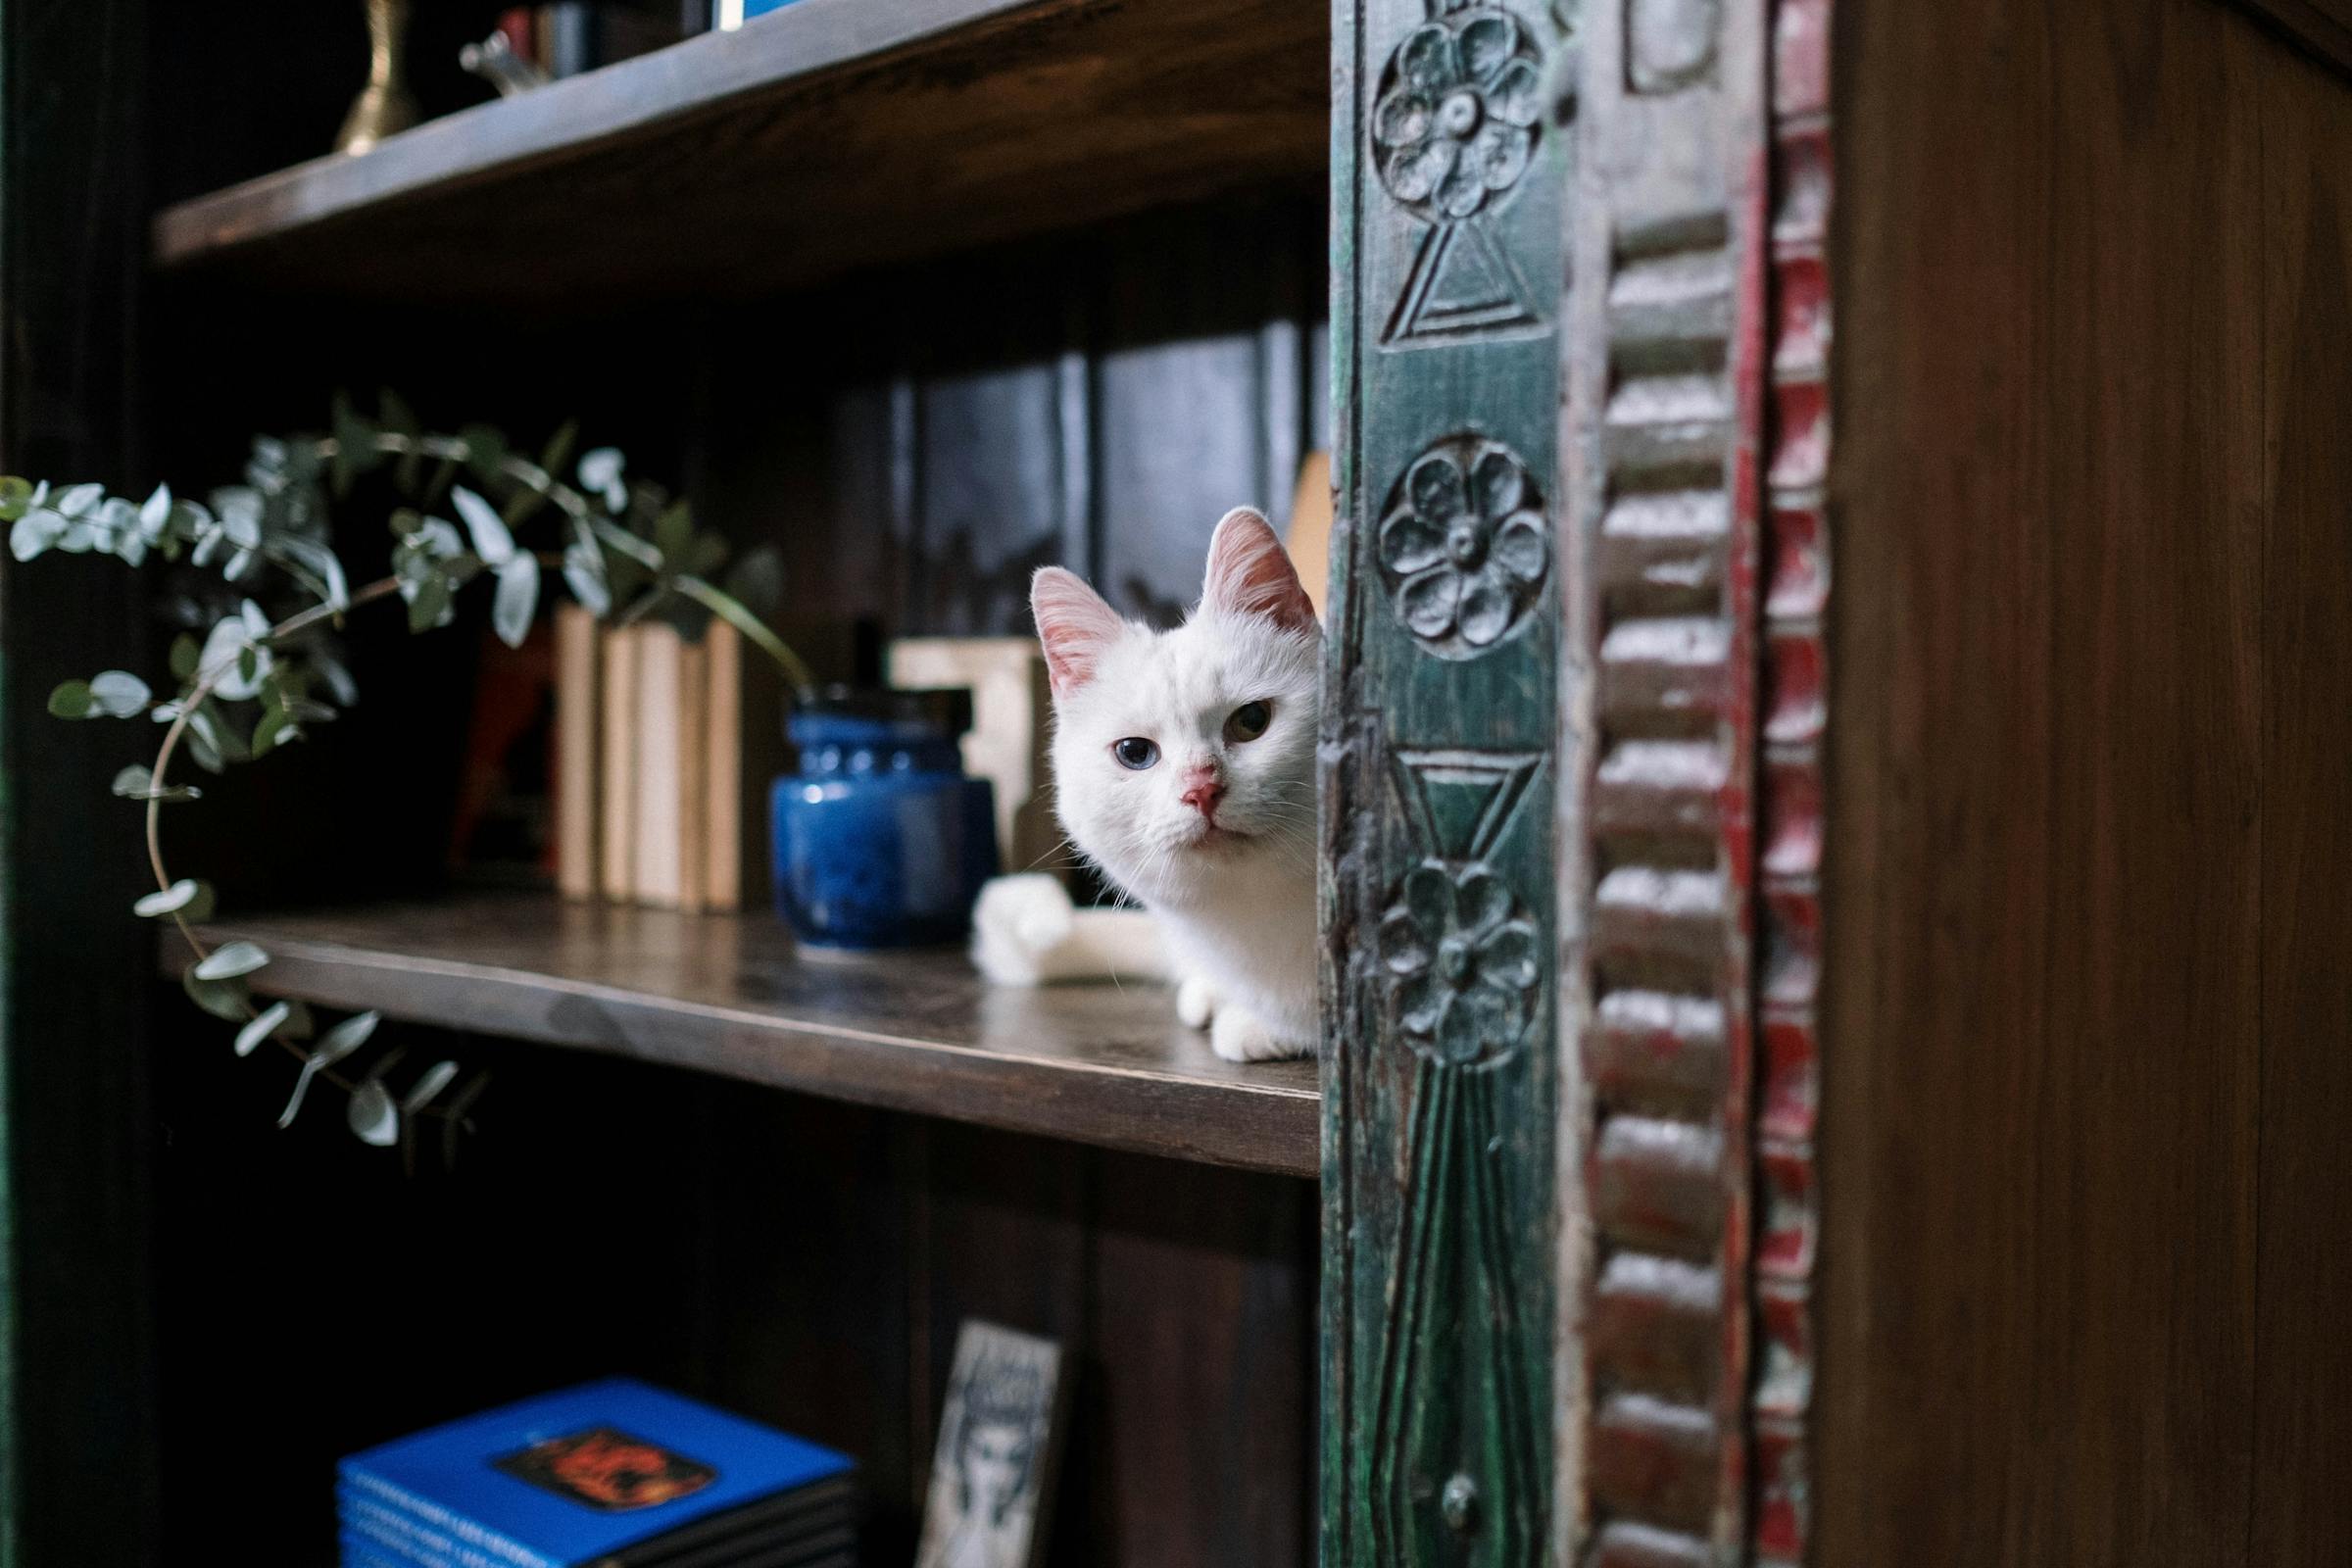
(209, 1311)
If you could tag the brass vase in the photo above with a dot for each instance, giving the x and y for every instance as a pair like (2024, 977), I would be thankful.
(383, 106)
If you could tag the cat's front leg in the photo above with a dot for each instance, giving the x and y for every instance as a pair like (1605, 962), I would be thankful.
(1195, 1001)
(1239, 1035)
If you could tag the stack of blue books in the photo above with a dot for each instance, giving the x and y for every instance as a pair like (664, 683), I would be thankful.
(615, 1474)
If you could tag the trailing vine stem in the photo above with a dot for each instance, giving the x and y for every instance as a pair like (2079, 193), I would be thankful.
(278, 518)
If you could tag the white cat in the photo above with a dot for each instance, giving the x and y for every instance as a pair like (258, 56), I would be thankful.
(1184, 765)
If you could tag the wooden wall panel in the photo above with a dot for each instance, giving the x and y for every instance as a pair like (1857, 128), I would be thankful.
(2302, 1441)
(2323, 26)
(1201, 1426)
(2050, 816)
(77, 1478)
(920, 442)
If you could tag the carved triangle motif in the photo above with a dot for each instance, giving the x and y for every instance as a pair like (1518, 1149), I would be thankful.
(1459, 800)
(1460, 283)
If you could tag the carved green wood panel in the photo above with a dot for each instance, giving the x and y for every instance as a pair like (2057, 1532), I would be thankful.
(1554, 683)
(1439, 778)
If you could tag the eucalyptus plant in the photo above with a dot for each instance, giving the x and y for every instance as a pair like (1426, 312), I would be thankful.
(260, 667)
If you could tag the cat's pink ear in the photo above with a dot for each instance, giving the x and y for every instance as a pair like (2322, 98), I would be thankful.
(1250, 573)
(1075, 624)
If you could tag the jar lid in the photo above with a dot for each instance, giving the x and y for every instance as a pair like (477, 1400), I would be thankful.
(942, 709)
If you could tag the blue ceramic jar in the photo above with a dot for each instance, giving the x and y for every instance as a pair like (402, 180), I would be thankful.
(880, 840)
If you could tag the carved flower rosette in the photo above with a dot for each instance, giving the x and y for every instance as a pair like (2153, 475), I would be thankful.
(1464, 547)
(1460, 108)
(1463, 960)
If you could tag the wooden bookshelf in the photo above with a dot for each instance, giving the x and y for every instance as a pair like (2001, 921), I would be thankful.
(730, 995)
(829, 135)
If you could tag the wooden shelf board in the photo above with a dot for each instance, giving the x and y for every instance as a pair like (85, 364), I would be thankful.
(828, 135)
(730, 995)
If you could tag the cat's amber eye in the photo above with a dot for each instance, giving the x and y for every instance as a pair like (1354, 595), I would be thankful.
(1248, 721)
(1135, 751)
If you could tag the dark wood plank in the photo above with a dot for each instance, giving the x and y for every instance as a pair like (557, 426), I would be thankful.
(2323, 26)
(1201, 1302)
(728, 995)
(2038, 1103)
(801, 1293)
(831, 135)
(79, 1456)
(1003, 1233)
(2303, 1374)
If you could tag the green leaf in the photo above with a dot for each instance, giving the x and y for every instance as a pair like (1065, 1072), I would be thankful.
(185, 651)
(77, 500)
(523, 505)
(517, 599)
(485, 452)
(336, 1044)
(232, 658)
(72, 699)
(347, 1037)
(429, 1085)
(232, 960)
(752, 626)
(119, 694)
(35, 531)
(706, 552)
(16, 496)
(392, 410)
(558, 451)
(621, 542)
(139, 784)
(213, 743)
(584, 574)
(373, 1118)
(189, 899)
(326, 571)
(276, 728)
(155, 516)
(491, 540)
(355, 446)
(332, 670)
(674, 535)
(240, 512)
(265, 1023)
(601, 476)
(428, 606)
(757, 581)
(223, 999)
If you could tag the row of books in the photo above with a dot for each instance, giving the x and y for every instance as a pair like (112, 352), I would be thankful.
(572, 36)
(610, 1474)
(664, 748)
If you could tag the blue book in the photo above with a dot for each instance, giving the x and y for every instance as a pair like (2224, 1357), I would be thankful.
(585, 1475)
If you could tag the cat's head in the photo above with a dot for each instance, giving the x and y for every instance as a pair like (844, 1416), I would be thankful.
(1185, 760)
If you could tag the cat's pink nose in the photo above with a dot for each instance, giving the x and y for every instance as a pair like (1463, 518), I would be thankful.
(1204, 788)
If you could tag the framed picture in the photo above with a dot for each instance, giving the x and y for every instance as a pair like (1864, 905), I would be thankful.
(1000, 1433)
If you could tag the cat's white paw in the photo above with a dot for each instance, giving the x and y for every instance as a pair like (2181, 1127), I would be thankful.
(1016, 923)
(1196, 1003)
(1237, 1035)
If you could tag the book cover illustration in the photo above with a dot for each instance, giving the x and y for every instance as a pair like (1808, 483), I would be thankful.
(582, 1473)
(993, 1473)
(607, 1469)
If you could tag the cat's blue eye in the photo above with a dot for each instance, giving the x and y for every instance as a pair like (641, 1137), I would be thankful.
(1135, 751)
(1248, 721)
